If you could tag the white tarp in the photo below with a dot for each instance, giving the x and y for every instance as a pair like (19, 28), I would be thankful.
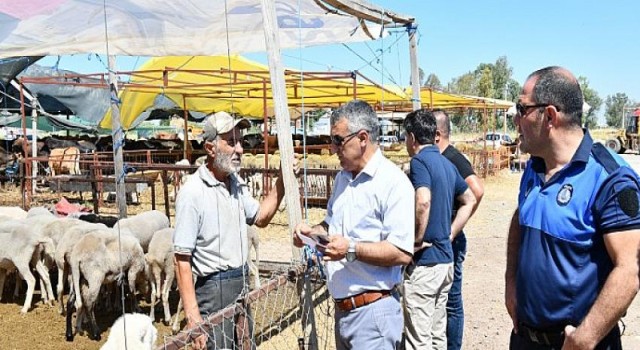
(164, 27)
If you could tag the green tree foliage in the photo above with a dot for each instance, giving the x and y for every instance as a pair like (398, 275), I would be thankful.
(421, 75)
(465, 84)
(614, 106)
(433, 82)
(485, 83)
(592, 98)
(501, 73)
(513, 90)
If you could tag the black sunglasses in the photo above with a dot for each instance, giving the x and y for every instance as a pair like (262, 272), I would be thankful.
(339, 141)
(521, 109)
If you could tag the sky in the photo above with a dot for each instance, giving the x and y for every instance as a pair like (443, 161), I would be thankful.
(591, 38)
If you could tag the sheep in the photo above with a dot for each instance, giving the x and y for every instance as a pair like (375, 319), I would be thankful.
(254, 241)
(12, 212)
(38, 211)
(140, 333)
(100, 257)
(144, 225)
(20, 250)
(64, 245)
(159, 260)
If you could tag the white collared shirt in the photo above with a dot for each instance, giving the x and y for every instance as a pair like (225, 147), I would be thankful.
(377, 205)
(211, 222)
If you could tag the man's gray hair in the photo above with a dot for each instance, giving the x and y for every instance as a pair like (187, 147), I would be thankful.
(360, 116)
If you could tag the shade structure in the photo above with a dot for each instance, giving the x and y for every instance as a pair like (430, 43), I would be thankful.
(167, 27)
(235, 84)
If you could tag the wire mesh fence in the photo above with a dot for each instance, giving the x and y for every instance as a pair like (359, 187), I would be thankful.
(272, 316)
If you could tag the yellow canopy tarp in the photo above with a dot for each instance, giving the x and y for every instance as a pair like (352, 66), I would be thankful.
(235, 84)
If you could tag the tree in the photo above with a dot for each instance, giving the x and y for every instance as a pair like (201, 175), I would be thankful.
(421, 75)
(485, 83)
(433, 82)
(591, 97)
(513, 90)
(465, 84)
(501, 73)
(614, 109)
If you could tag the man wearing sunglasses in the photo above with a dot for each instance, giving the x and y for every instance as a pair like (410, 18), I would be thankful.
(213, 209)
(370, 225)
(572, 251)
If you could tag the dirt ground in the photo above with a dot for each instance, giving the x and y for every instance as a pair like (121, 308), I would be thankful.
(487, 325)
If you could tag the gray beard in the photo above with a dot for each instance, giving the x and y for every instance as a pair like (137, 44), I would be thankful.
(223, 162)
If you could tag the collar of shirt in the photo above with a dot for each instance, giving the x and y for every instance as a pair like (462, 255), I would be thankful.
(372, 165)
(581, 156)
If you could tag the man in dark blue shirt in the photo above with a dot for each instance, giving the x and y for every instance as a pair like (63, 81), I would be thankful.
(572, 256)
(428, 279)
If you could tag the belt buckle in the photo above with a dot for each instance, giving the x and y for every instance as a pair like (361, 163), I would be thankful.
(353, 303)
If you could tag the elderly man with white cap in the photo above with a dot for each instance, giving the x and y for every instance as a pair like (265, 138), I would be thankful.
(213, 209)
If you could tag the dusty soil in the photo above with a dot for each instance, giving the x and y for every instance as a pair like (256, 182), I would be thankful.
(487, 325)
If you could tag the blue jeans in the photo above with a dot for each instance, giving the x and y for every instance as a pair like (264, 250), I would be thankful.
(214, 293)
(455, 309)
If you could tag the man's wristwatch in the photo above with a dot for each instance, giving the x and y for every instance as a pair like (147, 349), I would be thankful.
(351, 252)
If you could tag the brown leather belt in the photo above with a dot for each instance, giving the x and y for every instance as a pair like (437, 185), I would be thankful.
(360, 300)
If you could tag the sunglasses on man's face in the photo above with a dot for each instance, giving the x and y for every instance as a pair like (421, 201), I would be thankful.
(521, 109)
(339, 141)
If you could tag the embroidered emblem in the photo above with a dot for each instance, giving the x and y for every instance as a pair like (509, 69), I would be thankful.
(564, 195)
(628, 199)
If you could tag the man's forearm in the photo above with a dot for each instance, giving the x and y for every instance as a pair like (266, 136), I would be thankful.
(513, 248)
(186, 287)
(381, 254)
(615, 297)
(462, 216)
(270, 203)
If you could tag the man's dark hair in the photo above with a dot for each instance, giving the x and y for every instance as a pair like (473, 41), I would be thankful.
(422, 124)
(556, 86)
(442, 122)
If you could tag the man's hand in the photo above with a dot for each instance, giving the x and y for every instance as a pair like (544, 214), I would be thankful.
(200, 342)
(573, 340)
(302, 229)
(336, 249)
(511, 303)
(417, 248)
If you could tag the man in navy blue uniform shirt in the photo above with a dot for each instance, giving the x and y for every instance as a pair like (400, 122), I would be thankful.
(572, 255)
(437, 183)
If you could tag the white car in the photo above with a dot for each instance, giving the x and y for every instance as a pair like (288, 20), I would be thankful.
(498, 139)
(386, 141)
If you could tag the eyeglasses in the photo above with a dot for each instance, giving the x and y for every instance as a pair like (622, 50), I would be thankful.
(521, 109)
(339, 141)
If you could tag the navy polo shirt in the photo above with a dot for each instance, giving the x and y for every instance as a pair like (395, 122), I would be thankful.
(563, 262)
(432, 170)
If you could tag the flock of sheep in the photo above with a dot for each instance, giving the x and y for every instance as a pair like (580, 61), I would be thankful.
(89, 258)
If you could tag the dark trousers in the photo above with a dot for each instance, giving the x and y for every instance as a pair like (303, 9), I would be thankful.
(214, 293)
(521, 342)
(455, 309)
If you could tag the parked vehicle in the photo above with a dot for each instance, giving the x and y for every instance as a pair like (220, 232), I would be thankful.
(386, 141)
(497, 139)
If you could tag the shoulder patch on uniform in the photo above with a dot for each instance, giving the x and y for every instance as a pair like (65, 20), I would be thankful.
(564, 195)
(628, 199)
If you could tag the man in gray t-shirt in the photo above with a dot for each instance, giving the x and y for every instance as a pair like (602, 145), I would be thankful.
(213, 209)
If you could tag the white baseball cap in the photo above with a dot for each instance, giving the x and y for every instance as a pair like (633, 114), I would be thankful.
(221, 123)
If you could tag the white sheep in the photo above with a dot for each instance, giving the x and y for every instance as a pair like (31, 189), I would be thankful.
(140, 333)
(20, 250)
(100, 256)
(13, 212)
(160, 263)
(144, 225)
(65, 241)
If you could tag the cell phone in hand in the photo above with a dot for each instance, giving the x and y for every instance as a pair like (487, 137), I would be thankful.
(322, 239)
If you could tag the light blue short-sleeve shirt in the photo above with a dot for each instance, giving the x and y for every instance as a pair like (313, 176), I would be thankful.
(377, 205)
(211, 222)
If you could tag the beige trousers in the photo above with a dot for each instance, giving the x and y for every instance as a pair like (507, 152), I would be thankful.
(426, 290)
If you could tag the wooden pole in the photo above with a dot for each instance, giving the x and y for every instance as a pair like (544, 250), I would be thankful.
(34, 144)
(118, 139)
(415, 71)
(186, 128)
(283, 122)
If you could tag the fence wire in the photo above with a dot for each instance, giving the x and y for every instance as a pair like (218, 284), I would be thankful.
(269, 317)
